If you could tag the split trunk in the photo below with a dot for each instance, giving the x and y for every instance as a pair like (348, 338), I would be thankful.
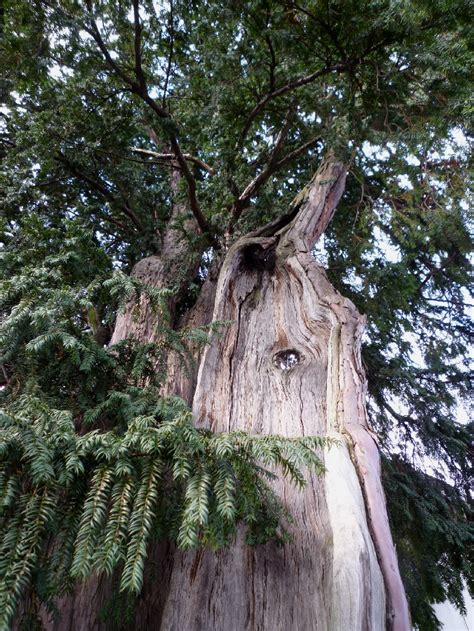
(287, 363)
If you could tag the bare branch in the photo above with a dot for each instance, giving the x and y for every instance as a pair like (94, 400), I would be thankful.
(288, 87)
(316, 203)
(172, 156)
(101, 188)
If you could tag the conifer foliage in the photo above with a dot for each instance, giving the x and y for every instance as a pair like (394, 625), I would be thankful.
(95, 463)
(102, 100)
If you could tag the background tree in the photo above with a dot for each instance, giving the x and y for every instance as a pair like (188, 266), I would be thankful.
(151, 153)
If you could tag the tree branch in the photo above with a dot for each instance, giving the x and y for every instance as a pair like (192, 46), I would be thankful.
(137, 46)
(95, 34)
(288, 87)
(100, 187)
(326, 26)
(253, 187)
(272, 64)
(437, 270)
(140, 89)
(172, 156)
(316, 204)
(266, 172)
(297, 152)
(171, 52)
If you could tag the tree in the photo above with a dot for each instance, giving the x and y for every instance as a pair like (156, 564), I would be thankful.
(172, 174)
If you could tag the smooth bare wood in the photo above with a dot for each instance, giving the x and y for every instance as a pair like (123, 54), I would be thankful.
(328, 578)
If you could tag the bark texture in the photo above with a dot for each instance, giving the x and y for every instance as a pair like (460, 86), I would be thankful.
(288, 364)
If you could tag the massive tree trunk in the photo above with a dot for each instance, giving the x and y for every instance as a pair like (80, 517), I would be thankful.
(289, 363)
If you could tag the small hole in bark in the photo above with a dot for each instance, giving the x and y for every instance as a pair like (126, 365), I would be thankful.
(286, 360)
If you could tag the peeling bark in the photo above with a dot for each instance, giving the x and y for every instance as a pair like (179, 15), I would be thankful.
(340, 571)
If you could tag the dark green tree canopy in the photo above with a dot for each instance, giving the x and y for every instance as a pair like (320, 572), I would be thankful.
(102, 102)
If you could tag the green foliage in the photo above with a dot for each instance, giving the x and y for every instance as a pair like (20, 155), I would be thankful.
(94, 462)
(430, 521)
(78, 503)
(112, 492)
(391, 89)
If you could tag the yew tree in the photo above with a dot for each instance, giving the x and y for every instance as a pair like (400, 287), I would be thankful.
(234, 338)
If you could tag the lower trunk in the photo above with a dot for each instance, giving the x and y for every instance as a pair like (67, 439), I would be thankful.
(288, 363)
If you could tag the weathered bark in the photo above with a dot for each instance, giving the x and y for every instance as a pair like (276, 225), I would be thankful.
(172, 269)
(289, 364)
(340, 570)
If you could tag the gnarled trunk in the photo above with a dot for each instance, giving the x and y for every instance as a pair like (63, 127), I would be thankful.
(289, 363)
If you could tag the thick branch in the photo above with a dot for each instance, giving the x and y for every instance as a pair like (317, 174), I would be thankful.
(315, 205)
(348, 389)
